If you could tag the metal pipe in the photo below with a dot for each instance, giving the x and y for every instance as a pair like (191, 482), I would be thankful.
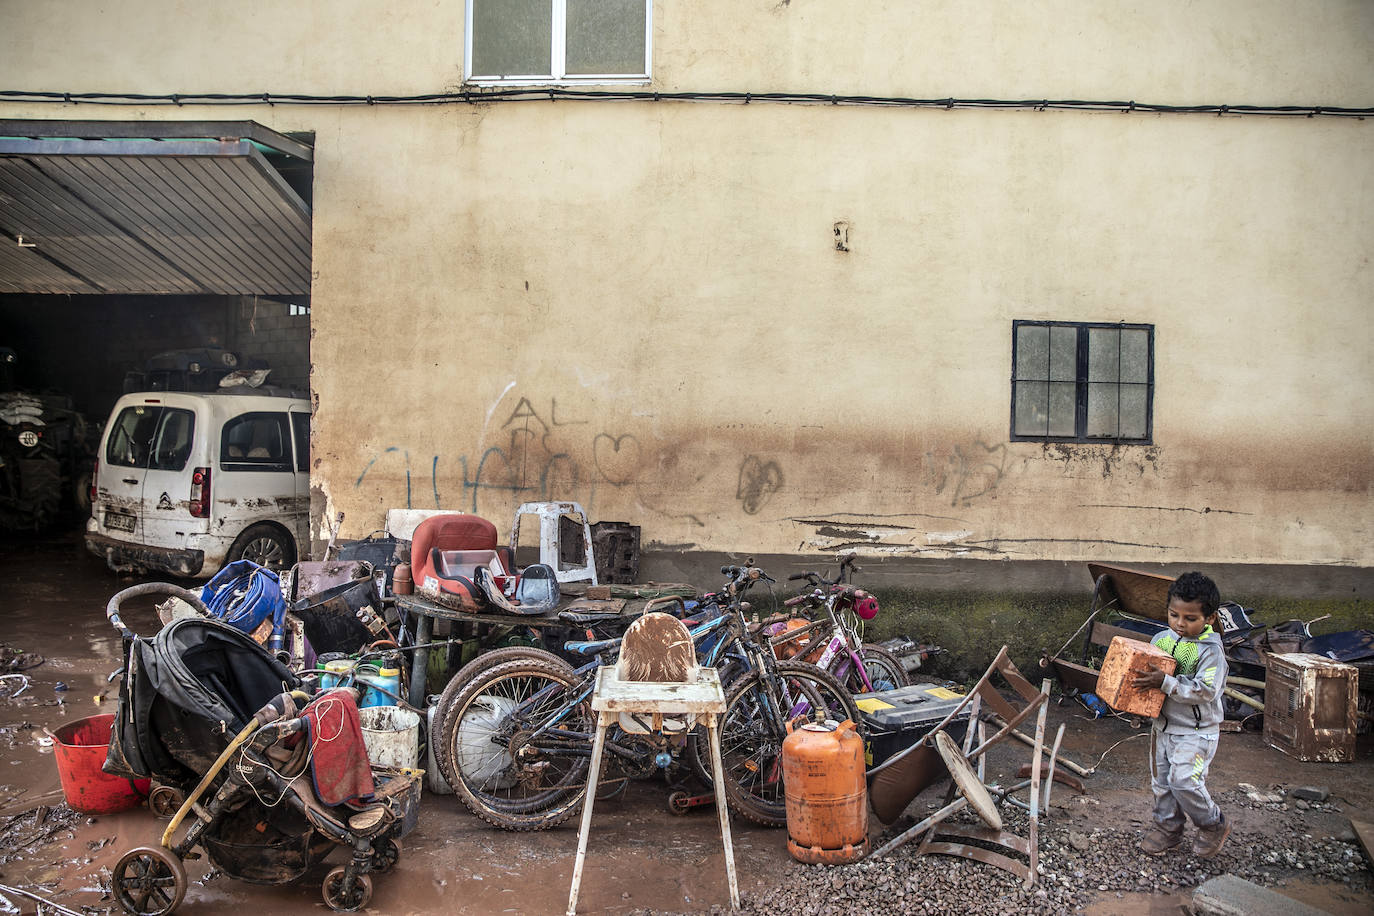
(1237, 695)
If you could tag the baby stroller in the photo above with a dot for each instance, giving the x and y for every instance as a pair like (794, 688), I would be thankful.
(208, 713)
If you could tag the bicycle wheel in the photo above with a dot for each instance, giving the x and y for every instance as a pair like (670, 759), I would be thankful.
(752, 731)
(465, 676)
(883, 670)
(517, 744)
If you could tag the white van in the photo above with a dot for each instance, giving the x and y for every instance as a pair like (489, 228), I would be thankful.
(188, 482)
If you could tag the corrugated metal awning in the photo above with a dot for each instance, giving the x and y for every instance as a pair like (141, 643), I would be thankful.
(150, 207)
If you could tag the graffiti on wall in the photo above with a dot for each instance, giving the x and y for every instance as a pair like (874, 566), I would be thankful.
(964, 472)
(534, 460)
(758, 481)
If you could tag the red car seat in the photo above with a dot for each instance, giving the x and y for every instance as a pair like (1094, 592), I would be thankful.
(456, 562)
(446, 551)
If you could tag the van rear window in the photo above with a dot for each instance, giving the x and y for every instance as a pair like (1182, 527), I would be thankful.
(131, 436)
(258, 441)
(152, 437)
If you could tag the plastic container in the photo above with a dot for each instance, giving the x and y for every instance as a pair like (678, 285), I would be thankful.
(403, 583)
(80, 748)
(383, 687)
(1094, 704)
(897, 719)
(827, 796)
(392, 736)
(336, 672)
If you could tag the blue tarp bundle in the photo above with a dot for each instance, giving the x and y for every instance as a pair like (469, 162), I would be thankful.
(243, 595)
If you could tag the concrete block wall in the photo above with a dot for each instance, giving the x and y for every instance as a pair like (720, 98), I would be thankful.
(276, 331)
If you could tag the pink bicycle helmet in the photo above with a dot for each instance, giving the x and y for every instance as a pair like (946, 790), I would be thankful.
(865, 605)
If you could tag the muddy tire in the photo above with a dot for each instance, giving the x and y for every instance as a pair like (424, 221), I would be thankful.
(38, 495)
(751, 740)
(333, 891)
(465, 676)
(148, 881)
(266, 545)
(504, 749)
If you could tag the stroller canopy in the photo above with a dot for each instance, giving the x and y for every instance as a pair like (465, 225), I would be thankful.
(186, 693)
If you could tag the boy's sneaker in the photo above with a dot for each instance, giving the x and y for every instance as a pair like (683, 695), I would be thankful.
(1209, 840)
(1159, 841)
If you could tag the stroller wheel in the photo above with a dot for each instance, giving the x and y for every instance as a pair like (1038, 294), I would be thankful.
(164, 801)
(148, 881)
(385, 854)
(334, 891)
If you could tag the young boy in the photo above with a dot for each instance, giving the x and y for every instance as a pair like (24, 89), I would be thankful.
(1184, 738)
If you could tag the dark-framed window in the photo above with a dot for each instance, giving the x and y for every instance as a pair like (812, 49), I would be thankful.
(1082, 382)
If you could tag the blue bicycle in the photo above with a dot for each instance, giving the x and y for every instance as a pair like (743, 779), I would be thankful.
(515, 741)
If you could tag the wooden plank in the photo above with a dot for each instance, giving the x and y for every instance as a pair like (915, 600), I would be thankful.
(1364, 832)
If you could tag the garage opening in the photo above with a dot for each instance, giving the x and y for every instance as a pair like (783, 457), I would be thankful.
(121, 241)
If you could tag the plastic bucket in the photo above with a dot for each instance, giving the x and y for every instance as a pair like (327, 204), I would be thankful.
(392, 736)
(80, 748)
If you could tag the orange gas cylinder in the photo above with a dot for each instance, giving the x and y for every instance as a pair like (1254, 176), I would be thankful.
(827, 797)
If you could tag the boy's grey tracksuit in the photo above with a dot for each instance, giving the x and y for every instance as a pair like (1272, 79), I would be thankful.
(1184, 738)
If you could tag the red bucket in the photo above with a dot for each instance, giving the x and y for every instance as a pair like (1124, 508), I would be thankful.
(80, 748)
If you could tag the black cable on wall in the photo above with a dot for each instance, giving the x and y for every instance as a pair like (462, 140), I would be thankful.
(537, 94)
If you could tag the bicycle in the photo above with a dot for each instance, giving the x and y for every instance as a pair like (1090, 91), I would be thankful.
(517, 737)
(834, 642)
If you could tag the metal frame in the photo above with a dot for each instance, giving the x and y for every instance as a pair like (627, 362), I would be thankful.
(1081, 382)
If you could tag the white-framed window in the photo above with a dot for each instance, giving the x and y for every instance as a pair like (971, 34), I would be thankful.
(557, 41)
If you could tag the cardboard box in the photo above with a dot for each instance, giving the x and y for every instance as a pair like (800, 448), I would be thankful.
(1125, 659)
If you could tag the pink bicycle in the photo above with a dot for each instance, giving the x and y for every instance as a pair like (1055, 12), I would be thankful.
(830, 636)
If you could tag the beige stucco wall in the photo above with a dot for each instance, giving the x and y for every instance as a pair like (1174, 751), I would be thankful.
(638, 305)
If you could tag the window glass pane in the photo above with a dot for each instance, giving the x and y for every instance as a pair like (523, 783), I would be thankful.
(1031, 408)
(605, 36)
(1102, 411)
(256, 442)
(1134, 411)
(1135, 355)
(300, 427)
(1032, 356)
(512, 37)
(131, 437)
(1063, 354)
(1063, 409)
(172, 444)
(1104, 354)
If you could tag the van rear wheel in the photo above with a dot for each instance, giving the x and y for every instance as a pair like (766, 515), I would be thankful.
(265, 545)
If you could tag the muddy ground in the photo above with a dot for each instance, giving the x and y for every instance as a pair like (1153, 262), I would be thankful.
(643, 858)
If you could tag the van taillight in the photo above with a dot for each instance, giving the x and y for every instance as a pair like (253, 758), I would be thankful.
(95, 476)
(200, 493)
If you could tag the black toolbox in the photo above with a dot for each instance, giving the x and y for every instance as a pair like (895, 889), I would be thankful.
(897, 719)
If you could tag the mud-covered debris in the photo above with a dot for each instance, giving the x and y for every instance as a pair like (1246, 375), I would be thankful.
(14, 660)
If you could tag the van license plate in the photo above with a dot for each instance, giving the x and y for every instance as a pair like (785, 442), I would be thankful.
(117, 522)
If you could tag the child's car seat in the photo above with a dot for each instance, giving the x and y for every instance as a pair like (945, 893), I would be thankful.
(445, 552)
(455, 561)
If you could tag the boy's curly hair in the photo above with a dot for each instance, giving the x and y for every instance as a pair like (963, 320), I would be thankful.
(1194, 586)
